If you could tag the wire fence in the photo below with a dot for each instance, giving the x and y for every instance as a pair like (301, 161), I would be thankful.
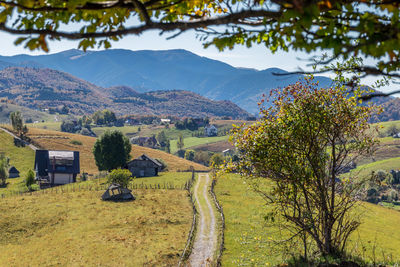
(190, 240)
(222, 229)
(76, 187)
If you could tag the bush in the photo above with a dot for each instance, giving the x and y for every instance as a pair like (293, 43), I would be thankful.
(86, 131)
(392, 130)
(382, 175)
(76, 142)
(181, 153)
(119, 176)
(189, 154)
(202, 157)
(393, 196)
(84, 176)
(216, 160)
(30, 179)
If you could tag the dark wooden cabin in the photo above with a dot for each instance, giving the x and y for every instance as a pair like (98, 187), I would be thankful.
(144, 166)
(56, 167)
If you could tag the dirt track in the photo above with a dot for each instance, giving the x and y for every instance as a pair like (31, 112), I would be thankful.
(205, 242)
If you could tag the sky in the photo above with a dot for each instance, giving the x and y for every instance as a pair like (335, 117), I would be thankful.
(257, 57)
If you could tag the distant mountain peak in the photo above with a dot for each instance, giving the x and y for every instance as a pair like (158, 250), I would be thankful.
(150, 70)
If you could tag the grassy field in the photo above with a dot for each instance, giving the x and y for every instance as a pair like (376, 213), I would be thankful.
(49, 125)
(195, 141)
(145, 130)
(367, 169)
(248, 238)
(27, 113)
(51, 228)
(214, 147)
(22, 158)
(62, 141)
(126, 130)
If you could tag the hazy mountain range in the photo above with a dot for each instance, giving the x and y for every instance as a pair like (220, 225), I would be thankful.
(146, 71)
(38, 88)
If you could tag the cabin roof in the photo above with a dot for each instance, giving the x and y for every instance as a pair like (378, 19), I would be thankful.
(58, 154)
(44, 166)
(144, 157)
(13, 170)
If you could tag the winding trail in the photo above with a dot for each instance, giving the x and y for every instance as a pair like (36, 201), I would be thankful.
(205, 244)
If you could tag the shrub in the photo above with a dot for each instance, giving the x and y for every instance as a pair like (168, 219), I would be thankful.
(76, 142)
(84, 176)
(393, 196)
(3, 170)
(30, 179)
(181, 153)
(189, 154)
(392, 130)
(86, 131)
(216, 160)
(119, 176)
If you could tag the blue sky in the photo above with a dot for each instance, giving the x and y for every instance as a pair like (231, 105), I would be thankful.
(257, 57)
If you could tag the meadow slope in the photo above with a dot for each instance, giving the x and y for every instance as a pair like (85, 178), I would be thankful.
(21, 157)
(248, 237)
(55, 140)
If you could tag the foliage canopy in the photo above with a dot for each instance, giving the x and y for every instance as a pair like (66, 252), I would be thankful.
(345, 28)
(119, 176)
(111, 150)
(3, 169)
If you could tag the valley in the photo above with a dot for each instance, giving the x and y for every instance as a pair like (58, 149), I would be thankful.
(174, 219)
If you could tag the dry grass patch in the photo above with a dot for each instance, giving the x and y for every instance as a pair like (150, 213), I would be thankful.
(78, 229)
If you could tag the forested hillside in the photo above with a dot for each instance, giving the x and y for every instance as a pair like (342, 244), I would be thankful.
(44, 88)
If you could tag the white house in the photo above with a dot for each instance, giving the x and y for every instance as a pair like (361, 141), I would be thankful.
(210, 130)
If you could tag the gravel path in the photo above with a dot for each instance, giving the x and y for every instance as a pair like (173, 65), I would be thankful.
(205, 242)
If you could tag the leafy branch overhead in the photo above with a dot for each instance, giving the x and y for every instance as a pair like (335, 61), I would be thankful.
(344, 28)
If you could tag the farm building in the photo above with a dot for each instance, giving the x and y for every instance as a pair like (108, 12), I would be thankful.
(13, 172)
(56, 167)
(144, 166)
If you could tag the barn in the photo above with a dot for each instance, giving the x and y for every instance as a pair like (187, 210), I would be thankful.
(56, 167)
(144, 166)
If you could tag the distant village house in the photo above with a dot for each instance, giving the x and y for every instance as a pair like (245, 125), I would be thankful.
(210, 130)
(145, 141)
(144, 166)
(56, 167)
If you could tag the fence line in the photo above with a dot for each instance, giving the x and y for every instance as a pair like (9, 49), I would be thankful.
(74, 187)
(221, 211)
(190, 240)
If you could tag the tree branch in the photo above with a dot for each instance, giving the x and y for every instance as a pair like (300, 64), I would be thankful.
(164, 26)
